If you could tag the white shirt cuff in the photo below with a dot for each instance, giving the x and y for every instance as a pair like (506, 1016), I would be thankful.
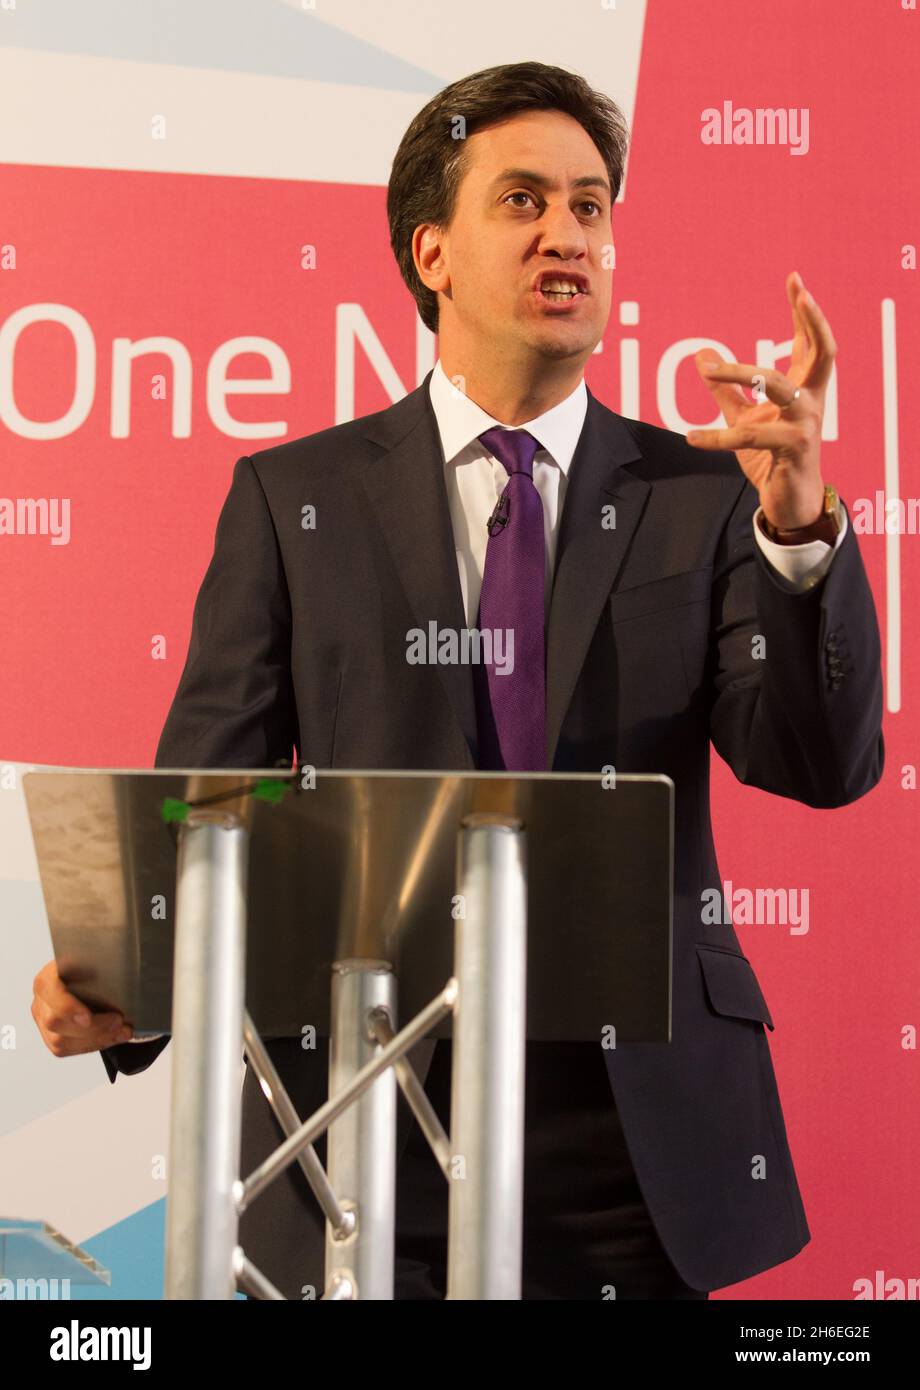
(800, 566)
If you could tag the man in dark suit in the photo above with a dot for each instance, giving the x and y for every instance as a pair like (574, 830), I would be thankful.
(685, 600)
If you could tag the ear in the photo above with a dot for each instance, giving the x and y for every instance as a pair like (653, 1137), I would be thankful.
(429, 254)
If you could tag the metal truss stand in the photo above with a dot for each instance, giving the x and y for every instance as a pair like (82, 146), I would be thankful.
(482, 1161)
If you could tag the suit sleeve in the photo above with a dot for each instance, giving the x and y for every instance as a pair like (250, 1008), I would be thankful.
(131, 1057)
(797, 702)
(234, 705)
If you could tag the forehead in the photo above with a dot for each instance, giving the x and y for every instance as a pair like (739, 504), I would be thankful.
(549, 142)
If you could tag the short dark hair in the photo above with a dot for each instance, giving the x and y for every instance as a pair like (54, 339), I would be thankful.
(432, 157)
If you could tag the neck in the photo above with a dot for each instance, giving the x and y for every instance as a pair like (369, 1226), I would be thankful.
(510, 396)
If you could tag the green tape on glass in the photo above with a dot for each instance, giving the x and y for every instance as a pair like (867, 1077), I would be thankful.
(174, 810)
(269, 789)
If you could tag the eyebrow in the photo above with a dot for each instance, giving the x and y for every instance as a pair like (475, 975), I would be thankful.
(531, 176)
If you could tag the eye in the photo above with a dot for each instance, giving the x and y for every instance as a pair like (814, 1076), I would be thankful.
(585, 203)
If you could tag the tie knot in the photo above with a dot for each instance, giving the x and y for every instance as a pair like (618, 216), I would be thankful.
(514, 449)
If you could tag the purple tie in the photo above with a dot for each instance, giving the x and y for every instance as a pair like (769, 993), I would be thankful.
(511, 707)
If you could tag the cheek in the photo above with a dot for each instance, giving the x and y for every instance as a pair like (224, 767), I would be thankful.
(477, 278)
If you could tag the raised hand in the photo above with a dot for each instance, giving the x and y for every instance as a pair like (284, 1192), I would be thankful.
(777, 437)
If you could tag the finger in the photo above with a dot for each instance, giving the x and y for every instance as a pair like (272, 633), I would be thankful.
(730, 399)
(69, 1045)
(794, 288)
(803, 349)
(56, 1018)
(764, 381)
(767, 434)
(50, 988)
(825, 346)
(62, 1045)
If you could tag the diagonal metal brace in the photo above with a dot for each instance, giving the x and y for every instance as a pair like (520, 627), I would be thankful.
(286, 1153)
(381, 1031)
(341, 1220)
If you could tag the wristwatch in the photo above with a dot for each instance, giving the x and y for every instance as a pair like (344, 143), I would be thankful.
(827, 527)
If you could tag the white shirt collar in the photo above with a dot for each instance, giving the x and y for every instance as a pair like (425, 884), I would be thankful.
(461, 420)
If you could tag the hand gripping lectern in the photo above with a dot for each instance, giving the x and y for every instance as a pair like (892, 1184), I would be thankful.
(376, 909)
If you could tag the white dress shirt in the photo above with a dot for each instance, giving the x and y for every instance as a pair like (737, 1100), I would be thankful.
(475, 481)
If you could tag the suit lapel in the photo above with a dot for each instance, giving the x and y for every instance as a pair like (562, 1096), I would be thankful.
(588, 553)
(407, 491)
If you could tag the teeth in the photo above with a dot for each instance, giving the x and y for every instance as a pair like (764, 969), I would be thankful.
(559, 287)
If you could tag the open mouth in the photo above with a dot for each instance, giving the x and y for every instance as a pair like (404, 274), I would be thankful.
(554, 288)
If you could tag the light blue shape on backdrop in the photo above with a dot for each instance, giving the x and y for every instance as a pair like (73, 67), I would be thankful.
(134, 1251)
(261, 36)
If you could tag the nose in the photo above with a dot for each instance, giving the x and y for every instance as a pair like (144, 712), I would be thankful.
(562, 234)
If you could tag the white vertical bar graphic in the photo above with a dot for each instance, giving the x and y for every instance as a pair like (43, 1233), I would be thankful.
(892, 490)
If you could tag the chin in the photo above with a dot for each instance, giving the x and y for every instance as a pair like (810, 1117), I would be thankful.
(564, 344)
